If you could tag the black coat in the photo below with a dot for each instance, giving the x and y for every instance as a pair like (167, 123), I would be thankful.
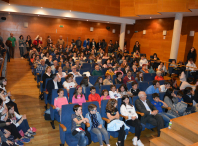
(187, 99)
(191, 55)
(50, 86)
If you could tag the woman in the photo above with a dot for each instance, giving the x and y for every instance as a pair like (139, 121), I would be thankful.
(99, 82)
(85, 83)
(169, 98)
(118, 69)
(192, 54)
(136, 47)
(159, 76)
(46, 75)
(21, 45)
(116, 45)
(156, 61)
(126, 69)
(28, 43)
(144, 69)
(139, 77)
(105, 56)
(33, 58)
(46, 56)
(49, 41)
(128, 110)
(60, 73)
(107, 80)
(67, 67)
(189, 97)
(162, 68)
(119, 79)
(174, 83)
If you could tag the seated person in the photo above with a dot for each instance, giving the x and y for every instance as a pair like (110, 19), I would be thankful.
(155, 88)
(185, 84)
(173, 64)
(107, 64)
(144, 69)
(126, 69)
(85, 83)
(66, 67)
(136, 54)
(97, 71)
(68, 83)
(119, 79)
(139, 77)
(107, 80)
(193, 68)
(91, 59)
(99, 82)
(124, 63)
(78, 66)
(156, 61)
(75, 57)
(74, 72)
(41, 67)
(151, 115)
(166, 85)
(158, 104)
(46, 75)
(129, 78)
(105, 95)
(94, 96)
(110, 71)
(60, 72)
(53, 67)
(143, 60)
(159, 76)
(123, 90)
(118, 69)
(78, 97)
(113, 93)
(162, 68)
(121, 60)
(134, 90)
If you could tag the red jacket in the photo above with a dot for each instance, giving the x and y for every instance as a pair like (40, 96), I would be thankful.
(126, 79)
(159, 78)
(35, 42)
(95, 97)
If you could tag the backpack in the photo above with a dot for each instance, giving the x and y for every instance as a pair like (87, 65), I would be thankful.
(47, 115)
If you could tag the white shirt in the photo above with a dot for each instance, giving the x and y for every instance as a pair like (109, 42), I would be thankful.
(129, 111)
(143, 61)
(190, 66)
(55, 85)
(1, 110)
(182, 77)
(63, 74)
(163, 89)
(114, 95)
(186, 84)
(74, 58)
(146, 106)
(78, 75)
(68, 85)
(163, 68)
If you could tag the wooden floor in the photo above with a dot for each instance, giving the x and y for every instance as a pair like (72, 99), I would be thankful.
(24, 89)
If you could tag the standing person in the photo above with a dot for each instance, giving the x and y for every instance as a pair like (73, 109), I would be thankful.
(86, 42)
(104, 45)
(136, 47)
(28, 43)
(93, 43)
(99, 45)
(14, 43)
(192, 54)
(49, 41)
(37, 41)
(21, 46)
(78, 43)
(116, 45)
(60, 41)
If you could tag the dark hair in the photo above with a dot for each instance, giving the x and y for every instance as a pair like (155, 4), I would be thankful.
(1, 101)
(123, 98)
(103, 91)
(91, 107)
(75, 108)
(190, 80)
(21, 36)
(129, 71)
(1, 81)
(155, 95)
(123, 85)
(9, 106)
(155, 54)
(168, 93)
(118, 73)
(107, 74)
(110, 105)
(112, 86)
(134, 83)
(59, 90)
(187, 90)
(76, 92)
(167, 82)
(92, 88)
(53, 76)
(97, 81)
(29, 37)
(84, 81)
(155, 82)
(138, 76)
(68, 76)
(180, 93)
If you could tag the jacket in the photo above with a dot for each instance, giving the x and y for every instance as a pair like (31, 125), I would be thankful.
(99, 119)
(50, 86)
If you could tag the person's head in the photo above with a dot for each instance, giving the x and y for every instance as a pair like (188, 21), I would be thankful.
(77, 62)
(3, 81)
(134, 85)
(167, 84)
(97, 68)
(156, 84)
(118, 68)
(123, 57)
(37, 57)
(21, 37)
(68, 78)
(78, 38)
(136, 43)
(77, 109)
(100, 80)
(188, 91)
(191, 61)
(55, 63)
(60, 92)
(108, 61)
(159, 73)
(119, 75)
(142, 95)
(169, 93)
(55, 77)
(127, 67)
(125, 100)
(10, 108)
(155, 55)
(60, 37)
(129, 73)
(111, 104)
(105, 92)
(42, 62)
(124, 61)
(122, 88)
(113, 88)
(144, 66)
(48, 69)
(73, 69)
(192, 49)
(180, 94)
(85, 81)
(66, 63)
(110, 69)
(59, 69)
(92, 108)
(93, 90)
(107, 76)
(161, 64)
(11, 34)
(142, 57)
(173, 62)
(156, 97)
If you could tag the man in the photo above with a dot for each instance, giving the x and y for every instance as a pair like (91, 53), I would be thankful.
(49, 61)
(88, 49)
(151, 115)
(97, 71)
(128, 78)
(78, 43)
(103, 45)
(86, 42)
(93, 43)
(165, 86)
(41, 67)
(55, 83)
(99, 45)
(60, 41)
(14, 43)
(155, 88)
(74, 72)
(53, 67)
(33, 51)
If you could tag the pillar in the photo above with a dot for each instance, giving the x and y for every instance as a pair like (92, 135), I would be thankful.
(122, 35)
(176, 35)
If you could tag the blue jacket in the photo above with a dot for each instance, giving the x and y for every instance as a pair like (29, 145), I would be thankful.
(98, 118)
(85, 43)
(151, 90)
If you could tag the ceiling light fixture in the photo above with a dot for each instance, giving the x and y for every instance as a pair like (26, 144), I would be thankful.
(107, 22)
(87, 20)
(9, 4)
(9, 13)
(41, 7)
(70, 10)
(38, 15)
(150, 17)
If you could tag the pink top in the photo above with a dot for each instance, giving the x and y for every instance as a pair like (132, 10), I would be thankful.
(79, 99)
(106, 98)
(58, 102)
(118, 71)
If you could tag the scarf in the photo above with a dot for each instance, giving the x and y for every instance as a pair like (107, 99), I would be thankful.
(94, 120)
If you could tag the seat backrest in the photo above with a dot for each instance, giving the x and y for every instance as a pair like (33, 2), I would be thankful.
(86, 66)
(88, 91)
(114, 77)
(147, 77)
(153, 75)
(119, 104)
(55, 94)
(105, 87)
(71, 93)
(104, 70)
(104, 60)
(133, 100)
(150, 97)
(78, 80)
(85, 107)
(162, 82)
(162, 95)
(143, 86)
(83, 70)
(103, 108)
(129, 86)
(62, 80)
(46, 82)
(151, 57)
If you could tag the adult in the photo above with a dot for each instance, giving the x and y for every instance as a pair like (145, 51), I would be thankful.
(151, 115)
(86, 42)
(189, 97)
(74, 72)
(28, 43)
(156, 61)
(144, 69)
(159, 76)
(14, 43)
(99, 45)
(143, 60)
(33, 51)
(37, 41)
(128, 78)
(104, 44)
(136, 47)
(190, 66)
(78, 43)
(46, 75)
(49, 61)
(97, 71)
(155, 88)
(107, 80)
(93, 44)
(166, 85)
(49, 41)
(116, 45)
(185, 84)
(55, 83)
(119, 79)
(21, 45)
(192, 54)
(41, 67)
(53, 67)
(60, 41)
(60, 72)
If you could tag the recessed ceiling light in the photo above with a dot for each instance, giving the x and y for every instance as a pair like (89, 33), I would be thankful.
(38, 15)
(107, 22)
(9, 4)
(9, 13)
(70, 10)
(150, 17)
(41, 7)
(87, 20)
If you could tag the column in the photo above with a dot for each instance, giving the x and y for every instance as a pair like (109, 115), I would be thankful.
(122, 35)
(176, 35)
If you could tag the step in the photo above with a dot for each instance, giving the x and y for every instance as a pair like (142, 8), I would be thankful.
(195, 144)
(158, 142)
(174, 138)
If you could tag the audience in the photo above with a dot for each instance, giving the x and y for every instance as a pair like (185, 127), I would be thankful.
(119, 79)
(105, 95)
(192, 68)
(128, 78)
(123, 90)
(60, 72)
(85, 83)
(139, 77)
(164, 87)
(118, 69)
(113, 93)
(68, 83)
(109, 71)
(144, 69)
(74, 72)
(155, 88)
(134, 90)
(143, 60)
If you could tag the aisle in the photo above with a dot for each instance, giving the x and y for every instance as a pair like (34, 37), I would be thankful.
(24, 90)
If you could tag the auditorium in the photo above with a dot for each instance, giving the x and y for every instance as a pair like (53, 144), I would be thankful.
(98, 73)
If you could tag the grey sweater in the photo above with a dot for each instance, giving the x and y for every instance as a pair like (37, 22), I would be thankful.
(173, 111)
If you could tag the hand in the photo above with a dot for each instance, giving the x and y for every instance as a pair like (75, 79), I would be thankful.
(100, 126)
(159, 89)
(9, 142)
(24, 117)
(86, 120)
(133, 117)
(8, 123)
(4, 111)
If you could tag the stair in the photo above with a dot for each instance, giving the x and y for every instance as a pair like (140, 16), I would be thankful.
(158, 142)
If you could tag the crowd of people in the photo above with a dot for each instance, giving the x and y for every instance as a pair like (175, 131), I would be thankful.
(58, 60)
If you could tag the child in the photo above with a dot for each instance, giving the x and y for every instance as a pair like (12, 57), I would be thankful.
(162, 68)
(78, 66)
(179, 96)
(78, 97)
(68, 83)
(128, 110)
(110, 71)
(94, 96)
(105, 95)
(115, 124)
(77, 131)
(123, 90)
(139, 77)
(166, 85)
(60, 100)
(113, 93)
(96, 124)
(121, 60)
(143, 60)
(158, 104)
(134, 90)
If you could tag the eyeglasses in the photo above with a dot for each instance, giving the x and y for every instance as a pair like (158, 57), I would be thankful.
(94, 110)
